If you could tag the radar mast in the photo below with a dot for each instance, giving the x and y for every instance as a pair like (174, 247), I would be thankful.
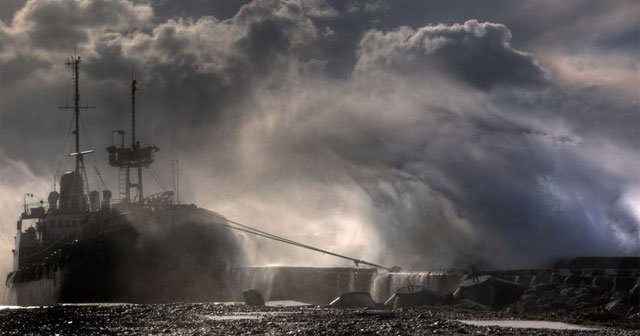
(136, 156)
(74, 63)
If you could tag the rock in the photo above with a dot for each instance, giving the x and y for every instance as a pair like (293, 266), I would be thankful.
(624, 283)
(252, 297)
(539, 277)
(489, 291)
(567, 292)
(617, 308)
(634, 295)
(524, 280)
(528, 307)
(541, 288)
(526, 297)
(353, 300)
(572, 280)
(621, 296)
(584, 297)
(414, 296)
(555, 278)
(603, 282)
(571, 303)
(595, 290)
(474, 305)
(554, 305)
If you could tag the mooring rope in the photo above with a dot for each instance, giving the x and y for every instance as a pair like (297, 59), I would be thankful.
(260, 233)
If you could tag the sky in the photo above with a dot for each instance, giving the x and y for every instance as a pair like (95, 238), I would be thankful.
(424, 134)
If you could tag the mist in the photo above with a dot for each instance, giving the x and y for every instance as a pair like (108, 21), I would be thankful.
(421, 144)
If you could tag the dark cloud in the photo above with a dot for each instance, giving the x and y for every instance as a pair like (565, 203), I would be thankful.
(61, 25)
(8, 8)
(416, 133)
(476, 53)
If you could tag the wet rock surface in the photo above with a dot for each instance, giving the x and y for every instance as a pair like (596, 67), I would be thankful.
(225, 319)
(594, 300)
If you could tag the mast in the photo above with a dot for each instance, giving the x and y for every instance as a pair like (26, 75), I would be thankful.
(134, 144)
(136, 156)
(74, 63)
(72, 192)
(133, 109)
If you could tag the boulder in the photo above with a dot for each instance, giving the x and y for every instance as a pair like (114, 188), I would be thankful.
(353, 300)
(539, 278)
(541, 288)
(603, 282)
(572, 280)
(556, 278)
(596, 290)
(567, 292)
(524, 280)
(414, 296)
(625, 283)
(529, 306)
(634, 295)
(617, 308)
(489, 291)
(252, 297)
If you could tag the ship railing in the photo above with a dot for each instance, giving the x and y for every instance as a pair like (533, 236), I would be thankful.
(35, 210)
(60, 242)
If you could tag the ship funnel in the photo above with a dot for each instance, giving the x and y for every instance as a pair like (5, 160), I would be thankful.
(106, 199)
(72, 192)
(54, 196)
(94, 200)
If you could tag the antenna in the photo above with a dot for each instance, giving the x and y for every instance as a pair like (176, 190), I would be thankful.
(175, 167)
(135, 145)
(136, 156)
(74, 63)
(133, 109)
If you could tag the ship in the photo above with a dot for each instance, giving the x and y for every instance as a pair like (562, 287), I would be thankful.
(83, 245)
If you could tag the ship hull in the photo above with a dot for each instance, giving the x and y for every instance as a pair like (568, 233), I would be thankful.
(164, 255)
(43, 292)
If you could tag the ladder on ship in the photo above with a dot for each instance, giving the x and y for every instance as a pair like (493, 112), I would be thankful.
(122, 183)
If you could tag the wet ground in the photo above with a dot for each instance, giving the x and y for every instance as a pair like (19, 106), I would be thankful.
(226, 319)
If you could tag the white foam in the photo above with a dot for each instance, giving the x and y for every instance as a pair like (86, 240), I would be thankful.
(18, 307)
(99, 304)
(287, 303)
(526, 324)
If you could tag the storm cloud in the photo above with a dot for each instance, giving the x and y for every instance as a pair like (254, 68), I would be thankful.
(375, 129)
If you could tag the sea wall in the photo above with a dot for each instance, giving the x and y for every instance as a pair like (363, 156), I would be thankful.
(305, 284)
(321, 285)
